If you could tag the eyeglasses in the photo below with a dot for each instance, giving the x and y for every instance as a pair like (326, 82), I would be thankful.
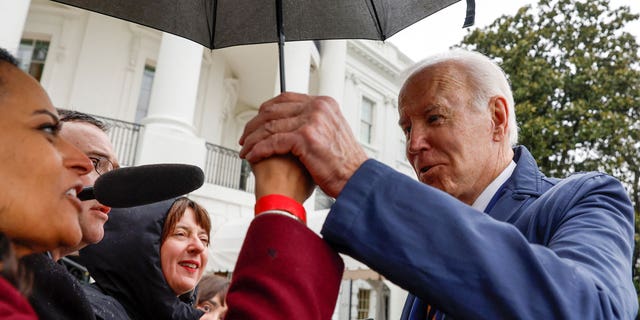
(102, 165)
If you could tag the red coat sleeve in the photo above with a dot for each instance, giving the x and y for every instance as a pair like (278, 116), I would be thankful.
(284, 271)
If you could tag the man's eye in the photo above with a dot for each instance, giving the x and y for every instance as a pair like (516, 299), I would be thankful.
(434, 118)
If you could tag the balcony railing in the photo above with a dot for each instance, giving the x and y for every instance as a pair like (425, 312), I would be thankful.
(124, 137)
(224, 167)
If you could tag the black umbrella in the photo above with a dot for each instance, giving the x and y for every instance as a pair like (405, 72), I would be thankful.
(223, 23)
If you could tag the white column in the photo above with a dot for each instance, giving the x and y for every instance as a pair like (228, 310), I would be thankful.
(169, 132)
(297, 56)
(13, 15)
(333, 59)
(175, 85)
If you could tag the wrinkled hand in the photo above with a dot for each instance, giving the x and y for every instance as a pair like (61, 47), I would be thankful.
(312, 129)
(282, 175)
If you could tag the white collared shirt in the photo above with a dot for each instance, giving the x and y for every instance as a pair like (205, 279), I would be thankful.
(485, 197)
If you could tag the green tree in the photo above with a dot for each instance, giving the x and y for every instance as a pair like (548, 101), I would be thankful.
(575, 74)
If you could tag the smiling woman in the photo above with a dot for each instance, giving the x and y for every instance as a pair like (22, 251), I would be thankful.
(149, 261)
(185, 238)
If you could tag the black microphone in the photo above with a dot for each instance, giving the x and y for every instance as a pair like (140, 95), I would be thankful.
(136, 186)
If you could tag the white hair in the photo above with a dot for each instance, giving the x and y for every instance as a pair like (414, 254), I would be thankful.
(486, 80)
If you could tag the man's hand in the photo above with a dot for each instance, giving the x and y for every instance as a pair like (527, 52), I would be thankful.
(283, 175)
(312, 129)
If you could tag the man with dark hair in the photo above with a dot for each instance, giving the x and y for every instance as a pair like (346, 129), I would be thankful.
(89, 135)
(77, 116)
(56, 292)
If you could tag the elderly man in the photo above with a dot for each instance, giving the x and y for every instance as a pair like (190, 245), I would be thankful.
(485, 235)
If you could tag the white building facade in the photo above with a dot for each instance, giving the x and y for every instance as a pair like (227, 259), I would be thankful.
(170, 100)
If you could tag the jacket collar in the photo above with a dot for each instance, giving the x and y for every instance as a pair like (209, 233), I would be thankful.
(526, 178)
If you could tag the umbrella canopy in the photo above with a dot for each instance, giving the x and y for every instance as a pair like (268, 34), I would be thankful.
(223, 23)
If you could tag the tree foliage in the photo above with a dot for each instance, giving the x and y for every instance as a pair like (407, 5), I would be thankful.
(575, 74)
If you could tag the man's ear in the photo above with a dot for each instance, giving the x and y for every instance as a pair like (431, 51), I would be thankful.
(500, 117)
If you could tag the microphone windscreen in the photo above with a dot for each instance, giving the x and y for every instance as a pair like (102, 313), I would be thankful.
(140, 185)
(86, 194)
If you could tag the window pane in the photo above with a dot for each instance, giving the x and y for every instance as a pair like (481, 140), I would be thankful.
(366, 120)
(25, 51)
(40, 51)
(363, 303)
(145, 92)
(365, 132)
(35, 70)
(367, 110)
(31, 56)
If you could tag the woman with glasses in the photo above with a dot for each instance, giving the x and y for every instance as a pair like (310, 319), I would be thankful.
(41, 176)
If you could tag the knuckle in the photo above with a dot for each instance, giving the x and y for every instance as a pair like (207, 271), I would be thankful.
(270, 126)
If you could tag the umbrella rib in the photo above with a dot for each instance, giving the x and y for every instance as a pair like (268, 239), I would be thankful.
(212, 28)
(377, 20)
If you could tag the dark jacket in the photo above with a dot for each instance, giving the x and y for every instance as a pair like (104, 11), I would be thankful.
(126, 265)
(56, 294)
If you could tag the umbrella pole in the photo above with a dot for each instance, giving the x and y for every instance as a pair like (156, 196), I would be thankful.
(283, 87)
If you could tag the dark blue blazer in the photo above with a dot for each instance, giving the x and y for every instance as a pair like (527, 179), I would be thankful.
(547, 249)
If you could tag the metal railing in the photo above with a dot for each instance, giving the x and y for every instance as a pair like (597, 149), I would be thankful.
(124, 137)
(224, 167)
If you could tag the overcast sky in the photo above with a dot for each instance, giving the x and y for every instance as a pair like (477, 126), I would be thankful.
(443, 29)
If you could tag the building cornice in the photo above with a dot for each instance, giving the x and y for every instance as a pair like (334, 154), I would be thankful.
(56, 9)
(375, 56)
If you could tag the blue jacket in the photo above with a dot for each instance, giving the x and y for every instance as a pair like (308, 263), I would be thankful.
(547, 249)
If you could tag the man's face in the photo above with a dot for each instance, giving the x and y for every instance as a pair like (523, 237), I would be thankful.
(95, 144)
(449, 141)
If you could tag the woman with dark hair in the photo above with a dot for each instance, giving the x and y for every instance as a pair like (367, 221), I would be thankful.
(149, 262)
(212, 295)
(40, 180)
